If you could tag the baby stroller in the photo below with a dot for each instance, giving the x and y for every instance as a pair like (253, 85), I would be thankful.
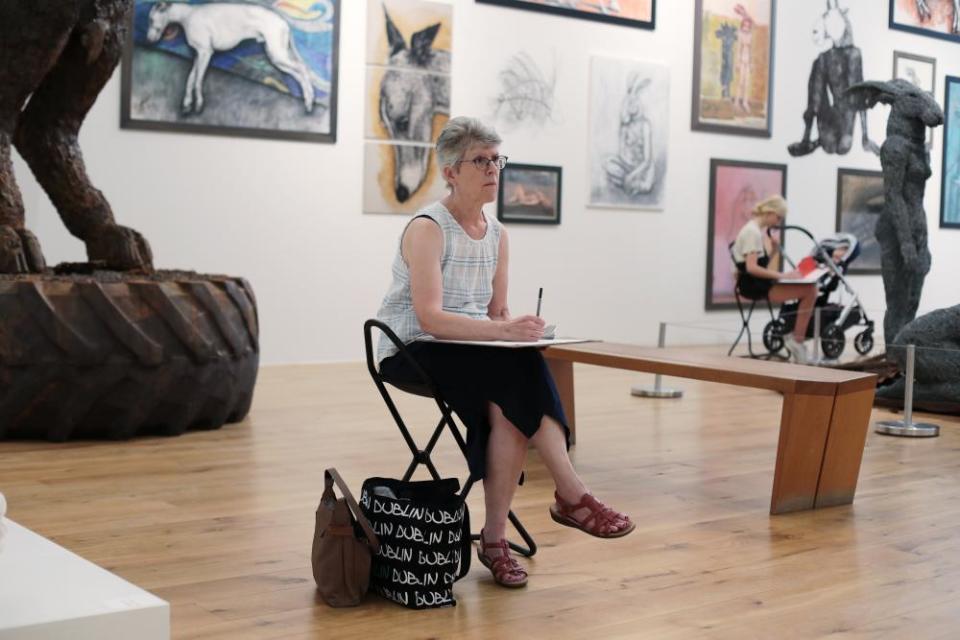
(834, 255)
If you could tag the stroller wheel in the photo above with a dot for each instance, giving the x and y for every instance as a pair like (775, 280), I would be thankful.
(773, 335)
(863, 342)
(832, 341)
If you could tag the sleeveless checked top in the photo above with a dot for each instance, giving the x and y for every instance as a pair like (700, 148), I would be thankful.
(467, 267)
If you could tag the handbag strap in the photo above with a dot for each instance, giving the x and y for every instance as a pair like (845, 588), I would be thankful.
(330, 476)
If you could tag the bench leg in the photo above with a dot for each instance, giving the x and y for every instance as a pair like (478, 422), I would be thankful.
(844, 451)
(562, 372)
(804, 425)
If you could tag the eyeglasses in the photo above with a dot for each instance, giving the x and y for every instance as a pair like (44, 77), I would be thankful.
(482, 163)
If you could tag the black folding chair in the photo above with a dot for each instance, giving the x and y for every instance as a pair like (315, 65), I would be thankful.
(769, 341)
(428, 389)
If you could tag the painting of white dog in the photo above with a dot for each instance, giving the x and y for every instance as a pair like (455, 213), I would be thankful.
(264, 68)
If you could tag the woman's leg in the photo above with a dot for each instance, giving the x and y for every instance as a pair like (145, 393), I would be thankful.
(552, 446)
(806, 294)
(506, 453)
(551, 443)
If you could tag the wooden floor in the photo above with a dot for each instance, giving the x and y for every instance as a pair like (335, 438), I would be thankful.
(220, 523)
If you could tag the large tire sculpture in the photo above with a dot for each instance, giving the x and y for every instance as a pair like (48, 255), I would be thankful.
(112, 355)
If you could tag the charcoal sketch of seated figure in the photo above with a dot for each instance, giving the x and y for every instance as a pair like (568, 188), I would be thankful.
(832, 73)
(632, 170)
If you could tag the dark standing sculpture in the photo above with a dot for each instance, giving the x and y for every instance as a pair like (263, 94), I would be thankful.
(902, 227)
(109, 348)
(59, 54)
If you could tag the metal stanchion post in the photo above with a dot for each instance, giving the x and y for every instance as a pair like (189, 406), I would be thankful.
(657, 391)
(816, 335)
(906, 427)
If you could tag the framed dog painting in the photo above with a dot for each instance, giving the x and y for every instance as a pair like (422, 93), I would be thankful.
(409, 45)
(630, 13)
(733, 67)
(270, 73)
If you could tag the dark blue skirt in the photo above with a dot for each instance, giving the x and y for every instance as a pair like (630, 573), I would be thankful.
(469, 377)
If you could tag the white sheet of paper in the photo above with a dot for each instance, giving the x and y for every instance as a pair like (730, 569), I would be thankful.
(509, 344)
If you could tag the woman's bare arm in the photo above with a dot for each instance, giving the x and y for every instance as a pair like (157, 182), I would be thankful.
(422, 248)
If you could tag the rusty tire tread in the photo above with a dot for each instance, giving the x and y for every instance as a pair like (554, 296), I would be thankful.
(128, 359)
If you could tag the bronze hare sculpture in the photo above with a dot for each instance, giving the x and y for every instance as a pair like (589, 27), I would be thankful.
(55, 57)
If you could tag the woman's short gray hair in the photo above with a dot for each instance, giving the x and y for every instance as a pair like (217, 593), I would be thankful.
(460, 134)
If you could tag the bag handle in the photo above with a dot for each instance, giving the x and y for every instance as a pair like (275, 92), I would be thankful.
(466, 544)
(330, 476)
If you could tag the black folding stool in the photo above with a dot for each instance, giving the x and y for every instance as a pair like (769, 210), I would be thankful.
(428, 389)
(745, 316)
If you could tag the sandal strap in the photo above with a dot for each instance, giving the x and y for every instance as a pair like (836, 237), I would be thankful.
(501, 544)
(600, 514)
(502, 565)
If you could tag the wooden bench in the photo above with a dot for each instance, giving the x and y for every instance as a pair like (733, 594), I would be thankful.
(823, 424)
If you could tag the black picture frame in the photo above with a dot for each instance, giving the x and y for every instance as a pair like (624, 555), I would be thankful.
(920, 31)
(709, 298)
(528, 213)
(867, 241)
(950, 172)
(129, 121)
(577, 13)
(696, 118)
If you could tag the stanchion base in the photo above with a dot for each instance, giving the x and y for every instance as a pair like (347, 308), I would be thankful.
(653, 392)
(912, 430)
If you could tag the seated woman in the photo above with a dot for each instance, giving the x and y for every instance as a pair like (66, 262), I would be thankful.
(450, 281)
(752, 251)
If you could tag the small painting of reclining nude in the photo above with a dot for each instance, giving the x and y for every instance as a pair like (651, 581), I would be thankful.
(530, 193)
(261, 69)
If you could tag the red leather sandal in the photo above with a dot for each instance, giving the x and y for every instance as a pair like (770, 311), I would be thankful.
(506, 571)
(602, 521)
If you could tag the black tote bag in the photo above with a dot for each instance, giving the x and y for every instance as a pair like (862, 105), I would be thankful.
(424, 532)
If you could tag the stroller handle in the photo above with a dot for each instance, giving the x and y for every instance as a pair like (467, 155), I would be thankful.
(819, 248)
(793, 226)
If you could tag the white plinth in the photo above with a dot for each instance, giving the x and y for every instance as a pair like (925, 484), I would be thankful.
(49, 593)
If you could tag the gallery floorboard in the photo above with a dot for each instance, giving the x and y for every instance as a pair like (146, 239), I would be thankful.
(220, 523)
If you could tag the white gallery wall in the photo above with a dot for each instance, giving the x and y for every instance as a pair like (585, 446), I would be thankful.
(288, 215)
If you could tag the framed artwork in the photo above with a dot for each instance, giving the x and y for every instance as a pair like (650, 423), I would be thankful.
(733, 67)
(950, 192)
(176, 77)
(524, 93)
(918, 70)
(629, 120)
(860, 202)
(530, 193)
(407, 103)
(735, 188)
(933, 18)
(632, 13)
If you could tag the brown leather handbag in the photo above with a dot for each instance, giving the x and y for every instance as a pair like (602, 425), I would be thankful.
(341, 558)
